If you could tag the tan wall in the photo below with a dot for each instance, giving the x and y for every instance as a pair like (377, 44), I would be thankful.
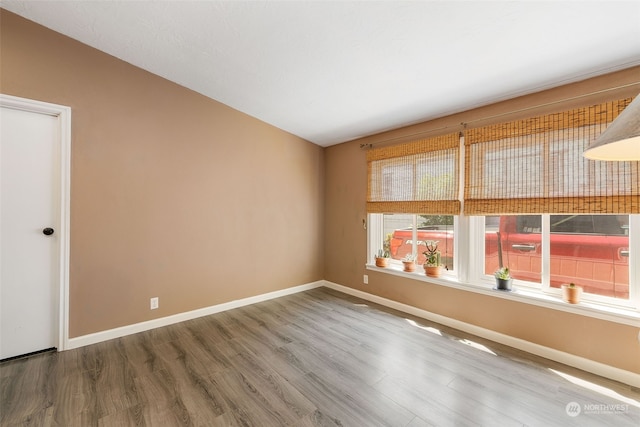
(346, 242)
(172, 194)
(159, 206)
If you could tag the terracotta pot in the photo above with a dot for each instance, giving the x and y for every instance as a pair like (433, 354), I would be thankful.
(503, 284)
(571, 294)
(409, 266)
(433, 271)
(382, 262)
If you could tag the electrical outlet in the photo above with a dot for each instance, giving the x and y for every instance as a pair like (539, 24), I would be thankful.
(155, 303)
(365, 279)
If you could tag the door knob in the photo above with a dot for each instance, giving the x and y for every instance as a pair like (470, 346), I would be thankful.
(48, 231)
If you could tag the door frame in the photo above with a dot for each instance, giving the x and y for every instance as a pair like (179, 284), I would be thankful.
(63, 113)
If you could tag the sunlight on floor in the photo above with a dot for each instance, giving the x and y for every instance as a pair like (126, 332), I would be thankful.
(464, 341)
(426, 328)
(597, 388)
(478, 346)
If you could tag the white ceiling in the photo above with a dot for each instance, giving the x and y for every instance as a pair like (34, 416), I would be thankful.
(333, 71)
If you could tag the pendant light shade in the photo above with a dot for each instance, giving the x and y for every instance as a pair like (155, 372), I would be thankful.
(621, 140)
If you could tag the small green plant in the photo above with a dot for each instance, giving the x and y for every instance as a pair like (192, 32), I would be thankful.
(383, 253)
(410, 258)
(503, 273)
(572, 285)
(432, 253)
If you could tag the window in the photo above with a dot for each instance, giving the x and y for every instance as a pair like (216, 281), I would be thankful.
(590, 250)
(407, 234)
(530, 201)
(542, 251)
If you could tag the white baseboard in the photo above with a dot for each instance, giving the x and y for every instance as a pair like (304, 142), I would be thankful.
(97, 337)
(588, 365)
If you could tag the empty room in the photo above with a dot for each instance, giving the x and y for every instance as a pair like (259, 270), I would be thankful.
(319, 213)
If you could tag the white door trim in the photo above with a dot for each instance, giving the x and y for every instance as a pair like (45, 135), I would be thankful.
(64, 117)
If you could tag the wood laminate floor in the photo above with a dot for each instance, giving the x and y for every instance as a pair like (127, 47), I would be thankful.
(318, 358)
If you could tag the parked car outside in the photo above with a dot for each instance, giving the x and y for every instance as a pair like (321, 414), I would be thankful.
(592, 250)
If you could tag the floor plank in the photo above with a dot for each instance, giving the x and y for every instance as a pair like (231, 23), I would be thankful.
(317, 358)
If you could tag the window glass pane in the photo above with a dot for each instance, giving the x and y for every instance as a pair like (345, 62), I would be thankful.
(398, 232)
(592, 251)
(436, 228)
(398, 229)
(514, 241)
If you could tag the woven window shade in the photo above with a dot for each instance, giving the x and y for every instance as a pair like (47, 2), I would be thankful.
(536, 166)
(416, 177)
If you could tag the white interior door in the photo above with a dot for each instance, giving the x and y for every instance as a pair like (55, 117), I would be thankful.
(29, 254)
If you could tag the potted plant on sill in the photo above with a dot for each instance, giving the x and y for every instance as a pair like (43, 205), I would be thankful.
(432, 265)
(571, 293)
(409, 262)
(503, 279)
(382, 258)
(384, 254)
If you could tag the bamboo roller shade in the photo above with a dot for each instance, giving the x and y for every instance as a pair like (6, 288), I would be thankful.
(416, 177)
(528, 166)
(536, 166)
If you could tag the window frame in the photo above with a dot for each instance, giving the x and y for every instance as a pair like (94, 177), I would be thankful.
(468, 271)
(545, 286)
(375, 239)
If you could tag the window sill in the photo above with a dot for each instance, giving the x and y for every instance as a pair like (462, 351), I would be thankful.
(627, 316)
